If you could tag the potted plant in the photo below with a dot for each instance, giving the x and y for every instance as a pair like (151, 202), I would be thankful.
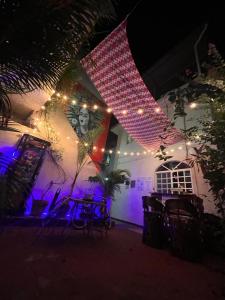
(110, 182)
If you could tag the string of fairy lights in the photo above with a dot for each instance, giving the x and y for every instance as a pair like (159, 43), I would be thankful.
(38, 122)
(139, 111)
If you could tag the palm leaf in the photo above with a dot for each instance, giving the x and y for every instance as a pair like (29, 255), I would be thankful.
(39, 39)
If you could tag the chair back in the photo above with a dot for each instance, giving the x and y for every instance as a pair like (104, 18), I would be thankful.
(152, 204)
(38, 207)
(182, 207)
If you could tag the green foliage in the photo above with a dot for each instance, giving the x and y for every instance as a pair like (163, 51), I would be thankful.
(161, 154)
(110, 181)
(39, 39)
(208, 135)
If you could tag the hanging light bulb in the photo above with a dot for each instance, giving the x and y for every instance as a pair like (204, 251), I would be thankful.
(118, 152)
(64, 97)
(84, 105)
(58, 95)
(110, 151)
(193, 105)
(95, 107)
(74, 102)
(94, 148)
(124, 112)
(109, 110)
(140, 111)
(157, 110)
(102, 149)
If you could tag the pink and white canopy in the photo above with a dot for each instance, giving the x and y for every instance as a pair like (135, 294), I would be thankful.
(112, 70)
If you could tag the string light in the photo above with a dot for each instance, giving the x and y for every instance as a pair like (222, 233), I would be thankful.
(140, 111)
(193, 105)
(157, 110)
(124, 112)
(110, 151)
(109, 110)
(84, 105)
(95, 106)
(74, 102)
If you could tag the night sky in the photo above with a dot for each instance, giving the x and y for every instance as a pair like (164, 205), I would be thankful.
(156, 27)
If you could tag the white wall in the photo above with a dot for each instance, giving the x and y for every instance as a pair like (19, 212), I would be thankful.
(49, 171)
(128, 203)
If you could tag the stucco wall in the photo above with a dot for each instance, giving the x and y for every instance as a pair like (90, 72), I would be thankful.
(128, 204)
(49, 171)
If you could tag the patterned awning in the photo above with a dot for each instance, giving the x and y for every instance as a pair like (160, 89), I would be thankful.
(111, 68)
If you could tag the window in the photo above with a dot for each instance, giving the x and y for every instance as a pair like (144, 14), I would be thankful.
(173, 175)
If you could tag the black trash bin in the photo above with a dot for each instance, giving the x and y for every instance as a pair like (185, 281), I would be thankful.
(153, 222)
(183, 229)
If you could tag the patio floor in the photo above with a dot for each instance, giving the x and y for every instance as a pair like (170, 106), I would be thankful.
(118, 266)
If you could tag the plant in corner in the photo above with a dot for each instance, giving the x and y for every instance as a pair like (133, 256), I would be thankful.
(110, 182)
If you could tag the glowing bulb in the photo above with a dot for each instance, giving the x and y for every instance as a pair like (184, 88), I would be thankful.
(109, 110)
(172, 150)
(125, 153)
(74, 102)
(65, 97)
(188, 143)
(94, 148)
(58, 95)
(84, 105)
(43, 107)
(180, 148)
(85, 144)
(138, 153)
(124, 112)
(110, 151)
(144, 152)
(95, 106)
(193, 105)
(53, 92)
(140, 111)
(102, 149)
(132, 153)
(157, 110)
(118, 152)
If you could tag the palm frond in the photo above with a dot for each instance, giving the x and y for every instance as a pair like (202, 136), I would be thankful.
(39, 39)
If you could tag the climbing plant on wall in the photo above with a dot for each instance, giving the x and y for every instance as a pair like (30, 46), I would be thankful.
(207, 136)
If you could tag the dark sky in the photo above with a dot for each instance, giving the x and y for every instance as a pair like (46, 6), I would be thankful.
(154, 27)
